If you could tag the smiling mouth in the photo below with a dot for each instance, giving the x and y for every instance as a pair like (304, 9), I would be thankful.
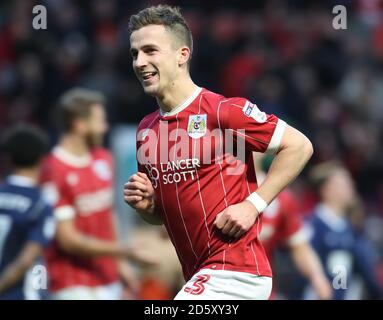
(148, 75)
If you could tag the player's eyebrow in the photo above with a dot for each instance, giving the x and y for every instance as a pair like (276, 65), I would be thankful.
(146, 46)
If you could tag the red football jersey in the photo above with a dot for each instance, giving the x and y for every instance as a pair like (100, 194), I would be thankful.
(81, 189)
(188, 155)
(282, 223)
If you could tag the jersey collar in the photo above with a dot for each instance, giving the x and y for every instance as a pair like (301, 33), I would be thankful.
(21, 181)
(333, 221)
(183, 105)
(71, 159)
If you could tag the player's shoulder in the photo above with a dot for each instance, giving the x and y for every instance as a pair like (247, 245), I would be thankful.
(51, 164)
(149, 120)
(51, 159)
(11, 189)
(216, 99)
(53, 167)
(101, 153)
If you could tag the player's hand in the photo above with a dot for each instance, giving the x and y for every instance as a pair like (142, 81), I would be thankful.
(141, 256)
(129, 279)
(322, 288)
(139, 192)
(237, 219)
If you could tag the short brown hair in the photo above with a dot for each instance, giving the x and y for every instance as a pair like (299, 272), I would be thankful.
(320, 173)
(170, 17)
(76, 104)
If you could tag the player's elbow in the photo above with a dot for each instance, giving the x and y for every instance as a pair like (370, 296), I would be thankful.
(306, 148)
(67, 241)
(66, 244)
(295, 142)
(25, 263)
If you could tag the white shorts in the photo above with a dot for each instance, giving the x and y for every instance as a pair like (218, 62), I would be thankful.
(108, 292)
(210, 284)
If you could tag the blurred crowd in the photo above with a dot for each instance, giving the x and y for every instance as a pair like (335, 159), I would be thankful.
(285, 56)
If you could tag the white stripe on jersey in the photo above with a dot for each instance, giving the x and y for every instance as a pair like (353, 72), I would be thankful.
(247, 184)
(166, 215)
(202, 205)
(199, 185)
(255, 258)
(178, 199)
(156, 118)
(220, 142)
(247, 136)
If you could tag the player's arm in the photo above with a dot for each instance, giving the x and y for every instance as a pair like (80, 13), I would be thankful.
(294, 152)
(16, 270)
(309, 265)
(262, 133)
(74, 242)
(139, 194)
(40, 233)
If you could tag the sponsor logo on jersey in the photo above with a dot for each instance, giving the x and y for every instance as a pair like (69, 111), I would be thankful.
(92, 202)
(72, 179)
(251, 110)
(173, 171)
(197, 125)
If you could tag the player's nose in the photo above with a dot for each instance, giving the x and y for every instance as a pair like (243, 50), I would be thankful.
(140, 61)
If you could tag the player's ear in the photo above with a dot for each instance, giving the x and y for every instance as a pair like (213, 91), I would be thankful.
(79, 125)
(184, 56)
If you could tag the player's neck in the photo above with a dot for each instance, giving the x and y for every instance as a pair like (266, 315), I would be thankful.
(336, 208)
(74, 144)
(29, 173)
(177, 94)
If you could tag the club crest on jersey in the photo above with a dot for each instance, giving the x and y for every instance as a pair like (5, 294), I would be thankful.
(102, 169)
(251, 110)
(197, 125)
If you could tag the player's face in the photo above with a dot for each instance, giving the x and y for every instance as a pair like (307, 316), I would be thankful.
(341, 187)
(97, 126)
(154, 59)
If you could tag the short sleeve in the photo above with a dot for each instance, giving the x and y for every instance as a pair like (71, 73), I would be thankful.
(56, 193)
(262, 132)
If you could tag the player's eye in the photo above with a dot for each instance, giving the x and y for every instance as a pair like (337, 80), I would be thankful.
(150, 51)
(134, 54)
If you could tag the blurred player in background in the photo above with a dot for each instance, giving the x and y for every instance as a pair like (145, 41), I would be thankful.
(85, 260)
(283, 227)
(26, 221)
(212, 216)
(342, 252)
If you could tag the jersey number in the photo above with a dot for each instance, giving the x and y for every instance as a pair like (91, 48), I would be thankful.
(198, 286)
(5, 226)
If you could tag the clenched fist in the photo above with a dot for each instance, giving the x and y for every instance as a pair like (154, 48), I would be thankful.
(139, 192)
(237, 219)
